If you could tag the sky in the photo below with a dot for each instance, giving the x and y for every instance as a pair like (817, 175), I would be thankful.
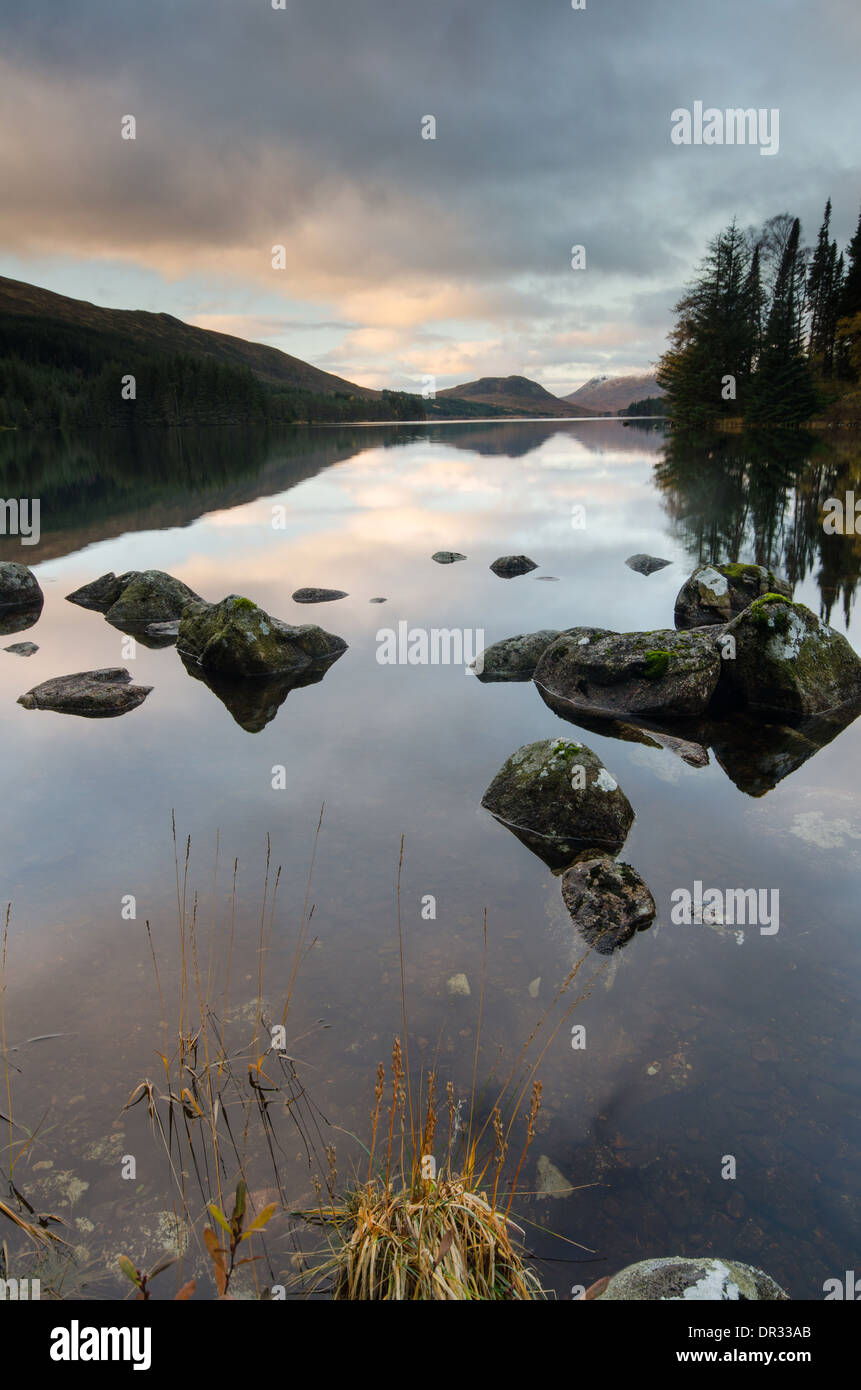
(411, 261)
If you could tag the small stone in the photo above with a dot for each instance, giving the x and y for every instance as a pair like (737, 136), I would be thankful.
(459, 985)
(22, 648)
(646, 564)
(551, 1183)
(318, 595)
(376, 600)
(535, 987)
(510, 566)
(447, 557)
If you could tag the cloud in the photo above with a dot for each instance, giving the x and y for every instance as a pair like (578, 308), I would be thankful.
(302, 127)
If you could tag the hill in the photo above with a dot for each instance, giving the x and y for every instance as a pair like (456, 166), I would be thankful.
(162, 335)
(516, 395)
(607, 395)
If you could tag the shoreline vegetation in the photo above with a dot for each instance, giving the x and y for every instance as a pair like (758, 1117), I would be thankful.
(768, 335)
(425, 1210)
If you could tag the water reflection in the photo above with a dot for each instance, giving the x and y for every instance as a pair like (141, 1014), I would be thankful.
(760, 497)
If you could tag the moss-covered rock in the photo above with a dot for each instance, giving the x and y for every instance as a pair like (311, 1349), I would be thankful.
(149, 596)
(558, 797)
(608, 901)
(787, 661)
(667, 674)
(679, 1279)
(717, 593)
(237, 638)
(19, 587)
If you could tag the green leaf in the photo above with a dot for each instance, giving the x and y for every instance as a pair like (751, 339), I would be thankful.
(219, 1217)
(129, 1270)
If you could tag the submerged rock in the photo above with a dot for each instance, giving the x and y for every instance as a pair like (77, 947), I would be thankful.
(676, 1280)
(557, 798)
(237, 638)
(22, 648)
(447, 557)
(509, 566)
(318, 595)
(668, 673)
(646, 564)
(19, 587)
(459, 985)
(514, 658)
(93, 694)
(608, 902)
(717, 593)
(551, 1181)
(788, 661)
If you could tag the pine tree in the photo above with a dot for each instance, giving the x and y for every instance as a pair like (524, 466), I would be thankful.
(784, 392)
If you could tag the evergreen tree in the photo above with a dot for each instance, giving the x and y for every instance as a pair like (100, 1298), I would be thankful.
(784, 391)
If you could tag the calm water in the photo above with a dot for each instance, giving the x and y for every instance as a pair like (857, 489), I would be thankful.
(697, 1046)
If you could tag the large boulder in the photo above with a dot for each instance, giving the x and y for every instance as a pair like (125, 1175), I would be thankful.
(677, 1280)
(665, 673)
(19, 587)
(608, 902)
(717, 593)
(514, 658)
(93, 694)
(787, 661)
(558, 798)
(237, 638)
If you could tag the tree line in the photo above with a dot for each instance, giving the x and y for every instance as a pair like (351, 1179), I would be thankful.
(769, 331)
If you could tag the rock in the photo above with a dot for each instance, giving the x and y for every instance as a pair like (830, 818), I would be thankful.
(534, 987)
(376, 600)
(608, 902)
(237, 638)
(93, 694)
(547, 579)
(318, 595)
(19, 587)
(664, 673)
(558, 798)
(715, 594)
(459, 985)
(551, 1182)
(509, 566)
(22, 648)
(676, 1280)
(149, 597)
(515, 658)
(646, 564)
(447, 557)
(787, 661)
(100, 594)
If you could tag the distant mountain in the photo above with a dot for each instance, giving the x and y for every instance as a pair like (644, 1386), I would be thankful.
(121, 330)
(607, 395)
(516, 395)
